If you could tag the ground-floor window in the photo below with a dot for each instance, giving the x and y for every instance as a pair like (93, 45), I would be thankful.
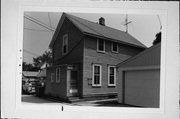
(58, 75)
(52, 76)
(111, 76)
(97, 69)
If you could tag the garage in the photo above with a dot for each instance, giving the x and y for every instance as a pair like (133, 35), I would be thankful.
(139, 79)
(142, 87)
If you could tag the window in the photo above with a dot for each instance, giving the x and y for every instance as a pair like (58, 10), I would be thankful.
(96, 75)
(111, 76)
(114, 47)
(52, 76)
(65, 44)
(58, 75)
(101, 45)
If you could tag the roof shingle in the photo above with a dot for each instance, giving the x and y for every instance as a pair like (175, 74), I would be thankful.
(88, 27)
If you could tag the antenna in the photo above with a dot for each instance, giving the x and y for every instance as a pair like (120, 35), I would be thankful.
(126, 23)
(159, 22)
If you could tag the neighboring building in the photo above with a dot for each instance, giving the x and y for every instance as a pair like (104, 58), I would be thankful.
(29, 75)
(85, 55)
(42, 72)
(139, 78)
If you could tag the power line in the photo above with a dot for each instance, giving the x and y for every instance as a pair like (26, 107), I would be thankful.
(29, 52)
(38, 22)
(50, 21)
(37, 30)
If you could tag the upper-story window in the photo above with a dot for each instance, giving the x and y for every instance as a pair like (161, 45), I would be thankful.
(65, 44)
(101, 45)
(114, 47)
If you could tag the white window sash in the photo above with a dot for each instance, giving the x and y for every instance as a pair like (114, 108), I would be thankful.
(100, 77)
(109, 76)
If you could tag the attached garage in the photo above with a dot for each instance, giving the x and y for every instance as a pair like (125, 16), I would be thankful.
(139, 79)
(142, 87)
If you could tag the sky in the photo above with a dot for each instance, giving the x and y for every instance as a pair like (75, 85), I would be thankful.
(36, 38)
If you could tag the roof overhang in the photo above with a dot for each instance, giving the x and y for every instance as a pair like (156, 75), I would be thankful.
(114, 40)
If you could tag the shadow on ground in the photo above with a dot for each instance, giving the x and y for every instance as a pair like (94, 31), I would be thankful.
(113, 103)
(34, 99)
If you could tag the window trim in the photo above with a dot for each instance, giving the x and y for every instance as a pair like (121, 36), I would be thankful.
(99, 74)
(63, 43)
(98, 46)
(112, 48)
(109, 75)
(58, 80)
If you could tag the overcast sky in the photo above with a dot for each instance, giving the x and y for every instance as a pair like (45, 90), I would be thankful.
(36, 38)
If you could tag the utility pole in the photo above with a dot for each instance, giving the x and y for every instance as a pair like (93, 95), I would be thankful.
(127, 23)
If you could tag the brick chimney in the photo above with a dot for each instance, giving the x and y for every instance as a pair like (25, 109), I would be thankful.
(102, 21)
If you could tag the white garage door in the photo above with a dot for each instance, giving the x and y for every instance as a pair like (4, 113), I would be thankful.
(142, 88)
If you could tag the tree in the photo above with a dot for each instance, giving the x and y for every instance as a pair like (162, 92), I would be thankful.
(45, 57)
(29, 67)
(158, 38)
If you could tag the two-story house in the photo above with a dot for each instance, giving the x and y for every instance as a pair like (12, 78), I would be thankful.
(85, 55)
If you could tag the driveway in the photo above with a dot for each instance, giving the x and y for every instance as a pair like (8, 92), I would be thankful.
(31, 99)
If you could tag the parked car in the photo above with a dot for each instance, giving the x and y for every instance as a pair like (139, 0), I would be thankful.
(40, 87)
(29, 86)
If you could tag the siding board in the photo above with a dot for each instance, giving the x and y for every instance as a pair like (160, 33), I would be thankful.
(91, 56)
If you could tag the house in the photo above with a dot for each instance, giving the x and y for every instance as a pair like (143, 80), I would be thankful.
(42, 72)
(85, 55)
(139, 78)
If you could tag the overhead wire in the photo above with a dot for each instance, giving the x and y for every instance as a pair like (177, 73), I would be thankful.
(29, 52)
(36, 30)
(50, 21)
(38, 22)
(51, 29)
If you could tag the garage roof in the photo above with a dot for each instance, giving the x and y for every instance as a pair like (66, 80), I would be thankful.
(95, 29)
(148, 57)
(29, 74)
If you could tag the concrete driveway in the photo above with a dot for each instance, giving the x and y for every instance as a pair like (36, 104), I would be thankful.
(32, 99)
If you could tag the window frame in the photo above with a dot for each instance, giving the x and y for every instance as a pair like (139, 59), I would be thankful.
(100, 75)
(110, 66)
(112, 47)
(63, 44)
(58, 78)
(102, 51)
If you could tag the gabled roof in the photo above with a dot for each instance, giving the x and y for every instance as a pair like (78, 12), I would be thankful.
(42, 73)
(43, 65)
(97, 30)
(29, 73)
(148, 57)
